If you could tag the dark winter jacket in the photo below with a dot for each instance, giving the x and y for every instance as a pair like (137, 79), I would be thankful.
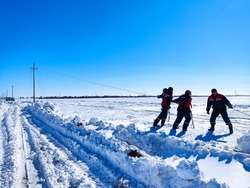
(166, 99)
(184, 102)
(218, 102)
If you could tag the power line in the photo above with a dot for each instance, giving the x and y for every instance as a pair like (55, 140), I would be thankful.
(12, 90)
(91, 82)
(40, 82)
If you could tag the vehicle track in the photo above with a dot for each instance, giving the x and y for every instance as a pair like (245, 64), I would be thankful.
(99, 165)
(13, 166)
(55, 164)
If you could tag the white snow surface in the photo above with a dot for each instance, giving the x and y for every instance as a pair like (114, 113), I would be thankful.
(42, 146)
(244, 143)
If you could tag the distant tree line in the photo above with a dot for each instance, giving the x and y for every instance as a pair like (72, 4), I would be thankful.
(84, 97)
(106, 96)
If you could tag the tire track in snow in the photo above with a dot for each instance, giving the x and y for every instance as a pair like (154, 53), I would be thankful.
(101, 175)
(13, 165)
(91, 150)
(2, 112)
(56, 166)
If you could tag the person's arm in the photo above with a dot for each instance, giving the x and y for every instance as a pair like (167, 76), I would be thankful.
(160, 96)
(176, 100)
(227, 102)
(208, 105)
(190, 102)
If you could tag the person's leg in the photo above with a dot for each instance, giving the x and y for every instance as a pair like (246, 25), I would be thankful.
(213, 117)
(164, 116)
(227, 120)
(187, 120)
(158, 118)
(178, 119)
(156, 122)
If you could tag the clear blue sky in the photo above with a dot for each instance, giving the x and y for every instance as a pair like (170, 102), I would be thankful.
(142, 46)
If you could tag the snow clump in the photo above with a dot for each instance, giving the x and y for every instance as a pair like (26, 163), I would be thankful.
(243, 143)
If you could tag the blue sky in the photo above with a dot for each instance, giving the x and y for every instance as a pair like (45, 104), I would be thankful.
(141, 46)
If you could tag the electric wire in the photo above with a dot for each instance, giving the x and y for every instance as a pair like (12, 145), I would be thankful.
(91, 82)
(40, 82)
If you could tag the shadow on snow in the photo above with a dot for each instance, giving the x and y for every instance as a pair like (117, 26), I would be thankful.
(210, 136)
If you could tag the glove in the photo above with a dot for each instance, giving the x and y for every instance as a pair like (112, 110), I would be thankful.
(208, 112)
(230, 106)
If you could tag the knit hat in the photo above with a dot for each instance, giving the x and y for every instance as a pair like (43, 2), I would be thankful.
(213, 90)
(165, 90)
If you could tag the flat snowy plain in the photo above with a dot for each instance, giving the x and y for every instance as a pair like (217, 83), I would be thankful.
(42, 146)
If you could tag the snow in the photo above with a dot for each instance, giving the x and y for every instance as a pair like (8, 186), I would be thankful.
(224, 172)
(243, 143)
(41, 145)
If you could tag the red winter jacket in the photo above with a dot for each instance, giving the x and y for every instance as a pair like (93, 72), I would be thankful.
(166, 99)
(217, 102)
(184, 102)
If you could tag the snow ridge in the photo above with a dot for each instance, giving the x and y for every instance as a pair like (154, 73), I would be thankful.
(111, 153)
(166, 146)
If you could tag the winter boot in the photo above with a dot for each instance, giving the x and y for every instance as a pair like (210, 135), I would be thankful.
(230, 129)
(163, 122)
(184, 127)
(211, 128)
(156, 122)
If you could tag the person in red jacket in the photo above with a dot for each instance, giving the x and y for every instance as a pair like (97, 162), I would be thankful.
(167, 97)
(218, 102)
(184, 110)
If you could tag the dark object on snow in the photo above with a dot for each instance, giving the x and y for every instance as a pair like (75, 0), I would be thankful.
(134, 153)
(10, 99)
(79, 124)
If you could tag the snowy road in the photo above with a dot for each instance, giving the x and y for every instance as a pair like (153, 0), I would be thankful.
(42, 146)
(13, 156)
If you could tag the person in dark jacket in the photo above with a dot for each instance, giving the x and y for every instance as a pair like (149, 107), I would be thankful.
(218, 102)
(183, 110)
(167, 97)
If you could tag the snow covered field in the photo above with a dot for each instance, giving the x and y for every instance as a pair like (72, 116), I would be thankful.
(42, 146)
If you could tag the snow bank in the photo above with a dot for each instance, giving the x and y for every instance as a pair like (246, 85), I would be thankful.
(166, 146)
(244, 143)
(147, 171)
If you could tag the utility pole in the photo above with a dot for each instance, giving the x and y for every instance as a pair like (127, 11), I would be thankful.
(12, 91)
(34, 86)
